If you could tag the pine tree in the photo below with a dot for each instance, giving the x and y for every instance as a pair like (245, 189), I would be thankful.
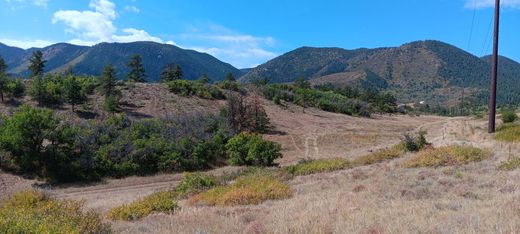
(171, 73)
(108, 88)
(37, 90)
(108, 81)
(137, 72)
(37, 64)
(230, 77)
(72, 92)
(3, 79)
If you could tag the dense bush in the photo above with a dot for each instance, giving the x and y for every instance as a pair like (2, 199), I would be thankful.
(331, 100)
(193, 88)
(509, 116)
(192, 183)
(448, 156)
(250, 149)
(16, 88)
(33, 212)
(508, 132)
(54, 89)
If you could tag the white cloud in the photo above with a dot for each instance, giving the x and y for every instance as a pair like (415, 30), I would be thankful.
(241, 50)
(479, 4)
(133, 9)
(135, 35)
(97, 26)
(26, 44)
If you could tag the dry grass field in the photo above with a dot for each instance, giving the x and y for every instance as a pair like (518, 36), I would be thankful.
(385, 197)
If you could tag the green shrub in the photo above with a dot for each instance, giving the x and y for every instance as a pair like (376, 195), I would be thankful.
(180, 87)
(249, 190)
(414, 144)
(190, 88)
(195, 182)
(509, 116)
(33, 212)
(448, 156)
(111, 103)
(16, 88)
(163, 202)
(319, 166)
(250, 149)
(510, 165)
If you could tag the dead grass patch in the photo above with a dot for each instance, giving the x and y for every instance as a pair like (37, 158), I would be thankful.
(249, 190)
(164, 202)
(380, 156)
(448, 156)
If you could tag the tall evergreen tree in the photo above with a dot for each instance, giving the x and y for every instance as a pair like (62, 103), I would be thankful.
(72, 91)
(37, 64)
(230, 77)
(108, 81)
(137, 72)
(171, 72)
(108, 88)
(3, 79)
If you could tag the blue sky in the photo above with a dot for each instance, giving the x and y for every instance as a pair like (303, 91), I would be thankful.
(248, 33)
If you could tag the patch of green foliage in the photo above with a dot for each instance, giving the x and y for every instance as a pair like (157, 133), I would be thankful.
(193, 88)
(251, 150)
(508, 132)
(509, 116)
(448, 156)
(380, 156)
(415, 143)
(33, 212)
(54, 89)
(345, 101)
(510, 165)
(319, 166)
(192, 183)
(248, 190)
(161, 202)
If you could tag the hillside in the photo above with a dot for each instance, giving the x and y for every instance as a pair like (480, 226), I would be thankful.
(423, 70)
(91, 60)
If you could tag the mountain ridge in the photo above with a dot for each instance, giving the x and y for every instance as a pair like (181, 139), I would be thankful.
(90, 60)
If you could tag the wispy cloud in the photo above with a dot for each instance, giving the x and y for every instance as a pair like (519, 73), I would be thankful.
(480, 4)
(96, 25)
(239, 49)
(132, 9)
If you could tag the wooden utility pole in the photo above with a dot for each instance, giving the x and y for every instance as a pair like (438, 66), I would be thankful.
(494, 72)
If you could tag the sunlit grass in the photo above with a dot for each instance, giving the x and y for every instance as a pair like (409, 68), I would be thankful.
(448, 156)
(249, 190)
(508, 133)
(319, 166)
(380, 156)
(33, 212)
(163, 202)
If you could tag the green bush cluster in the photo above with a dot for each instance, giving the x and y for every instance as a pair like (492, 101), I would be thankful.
(193, 88)
(35, 142)
(195, 182)
(346, 101)
(251, 150)
(55, 89)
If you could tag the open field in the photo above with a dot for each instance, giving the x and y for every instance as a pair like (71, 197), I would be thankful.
(379, 198)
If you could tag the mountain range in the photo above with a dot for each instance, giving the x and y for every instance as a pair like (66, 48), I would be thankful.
(430, 71)
(91, 60)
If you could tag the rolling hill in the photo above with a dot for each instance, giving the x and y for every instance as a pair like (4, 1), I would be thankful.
(91, 60)
(424, 70)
